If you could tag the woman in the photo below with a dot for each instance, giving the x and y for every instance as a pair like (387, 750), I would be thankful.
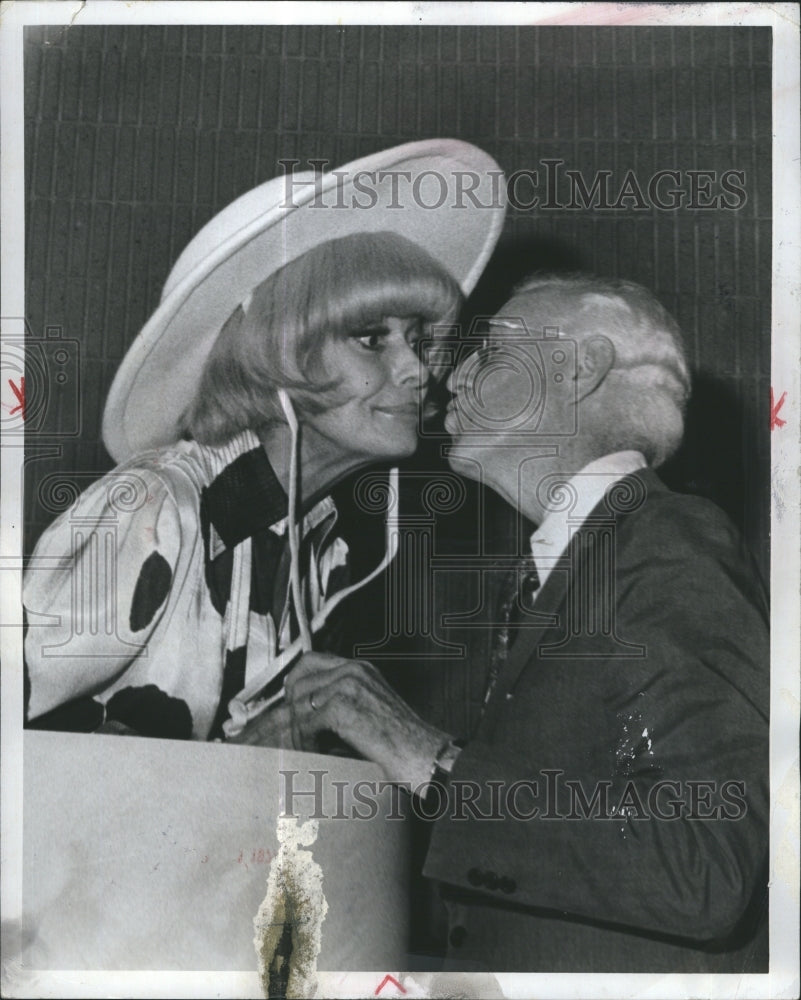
(175, 571)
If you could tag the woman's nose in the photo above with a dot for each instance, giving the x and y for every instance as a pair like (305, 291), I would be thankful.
(408, 368)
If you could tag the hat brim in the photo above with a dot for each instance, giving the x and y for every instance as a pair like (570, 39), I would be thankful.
(445, 195)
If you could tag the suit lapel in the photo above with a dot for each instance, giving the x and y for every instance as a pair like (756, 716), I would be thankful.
(551, 602)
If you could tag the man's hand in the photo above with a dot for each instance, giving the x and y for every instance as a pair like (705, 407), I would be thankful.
(352, 699)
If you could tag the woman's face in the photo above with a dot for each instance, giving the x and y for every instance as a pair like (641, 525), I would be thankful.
(381, 383)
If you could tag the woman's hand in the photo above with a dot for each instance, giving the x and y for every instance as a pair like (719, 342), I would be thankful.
(352, 699)
(270, 729)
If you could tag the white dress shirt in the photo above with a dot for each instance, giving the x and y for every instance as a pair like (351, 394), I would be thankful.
(584, 490)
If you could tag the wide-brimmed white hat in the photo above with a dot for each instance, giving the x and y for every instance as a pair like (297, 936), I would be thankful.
(445, 195)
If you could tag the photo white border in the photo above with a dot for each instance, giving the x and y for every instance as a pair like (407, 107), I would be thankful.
(782, 980)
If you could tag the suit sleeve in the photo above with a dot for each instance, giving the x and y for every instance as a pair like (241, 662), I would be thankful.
(95, 591)
(640, 786)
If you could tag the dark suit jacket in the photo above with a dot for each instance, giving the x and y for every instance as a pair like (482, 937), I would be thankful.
(648, 665)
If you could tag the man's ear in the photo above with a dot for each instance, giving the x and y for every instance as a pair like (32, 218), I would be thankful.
(596, 357)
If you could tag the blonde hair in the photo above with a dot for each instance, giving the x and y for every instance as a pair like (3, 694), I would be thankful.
(327, 293)
(650, 374)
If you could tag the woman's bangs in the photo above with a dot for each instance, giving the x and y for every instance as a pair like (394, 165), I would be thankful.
(373, 297)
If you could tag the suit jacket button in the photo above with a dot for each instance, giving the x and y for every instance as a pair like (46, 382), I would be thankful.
(457, 936)
(507, 885)
(491, 880)
(475, 876)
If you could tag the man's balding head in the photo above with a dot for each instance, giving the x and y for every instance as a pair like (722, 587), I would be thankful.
(647, 383)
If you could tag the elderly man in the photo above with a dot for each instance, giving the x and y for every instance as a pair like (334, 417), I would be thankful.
(610, 812)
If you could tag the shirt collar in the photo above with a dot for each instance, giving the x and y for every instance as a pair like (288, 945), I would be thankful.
(588, 487)
(244, 495)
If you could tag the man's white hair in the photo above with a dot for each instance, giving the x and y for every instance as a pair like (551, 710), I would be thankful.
(649, 375)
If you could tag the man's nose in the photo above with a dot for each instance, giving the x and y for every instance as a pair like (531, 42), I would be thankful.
(456, 381)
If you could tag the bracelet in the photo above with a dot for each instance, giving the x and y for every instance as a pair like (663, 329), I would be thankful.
(445, 759)
(440, 771)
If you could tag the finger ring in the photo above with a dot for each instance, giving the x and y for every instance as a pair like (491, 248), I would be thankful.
(311, 702)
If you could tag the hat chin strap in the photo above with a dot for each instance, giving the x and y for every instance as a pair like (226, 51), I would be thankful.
(247, 705)
(292, 524)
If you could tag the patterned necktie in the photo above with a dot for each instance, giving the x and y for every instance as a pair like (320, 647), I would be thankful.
(517, 595)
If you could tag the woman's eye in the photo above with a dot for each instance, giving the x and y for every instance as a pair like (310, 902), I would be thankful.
(371, 340)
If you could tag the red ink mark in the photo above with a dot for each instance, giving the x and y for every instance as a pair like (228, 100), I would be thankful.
(19, 392)
(775, 419)
(389, 979)
(260, 856)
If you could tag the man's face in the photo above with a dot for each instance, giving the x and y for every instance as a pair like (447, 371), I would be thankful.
(514, 396)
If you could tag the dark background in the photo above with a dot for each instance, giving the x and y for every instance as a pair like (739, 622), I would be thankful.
(136, 136)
